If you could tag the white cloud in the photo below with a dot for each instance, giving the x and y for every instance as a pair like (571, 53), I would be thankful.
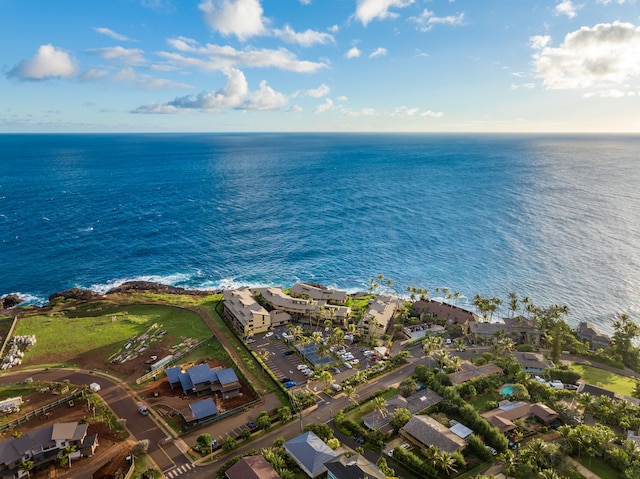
(368, 10)
(145, 81)
(352, 53)
(295, 109)
(93, 75)
(110, 33)
(218, 57)
(322, 90)
(406, 112)
(307, 38)
(608, 94)
(326, 106)
(334, 29)
(362, 112)
(49, 62)
(242, 18)
(528, 86)
(603, 57)
(305, 2)
(235, 94)
(378, 52)
(619, 2)
(266, 98)
(342, 98)
(128, 56)
(538, 42)
(566, 7)
(427, 20)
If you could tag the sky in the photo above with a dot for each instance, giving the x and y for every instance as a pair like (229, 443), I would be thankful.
(320, 65)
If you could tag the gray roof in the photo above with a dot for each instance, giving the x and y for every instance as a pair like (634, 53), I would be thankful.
(532, 360)
(427, 431)
(252, 467)
(415, 403)
(310, 453)
(354, 467)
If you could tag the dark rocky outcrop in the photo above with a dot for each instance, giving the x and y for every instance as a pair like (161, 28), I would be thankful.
(74, 293)
(9, 301)
(155, 288)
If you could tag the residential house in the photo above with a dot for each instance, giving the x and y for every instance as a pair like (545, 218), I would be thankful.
(201, 380)
(424, 431)
(469, 371)
(533, 363)
(520, 330)
(44, 446)
(378, 316)
(252, 467)
(507, 412)
(199, 411)
(353, 467)
(244, 312)
(310, 453)
(449, 313)
(588, 332)
(415, 403)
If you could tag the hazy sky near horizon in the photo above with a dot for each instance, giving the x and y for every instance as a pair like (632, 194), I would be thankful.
(320, 65)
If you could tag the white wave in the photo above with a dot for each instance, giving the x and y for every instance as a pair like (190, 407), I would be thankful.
(175, 279)
(29, 299)
(85, 230)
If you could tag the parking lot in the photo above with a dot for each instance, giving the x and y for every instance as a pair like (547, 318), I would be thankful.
(286, 366)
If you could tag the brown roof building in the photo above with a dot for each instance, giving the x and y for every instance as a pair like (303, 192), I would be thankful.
(425, 431)
(252, 467)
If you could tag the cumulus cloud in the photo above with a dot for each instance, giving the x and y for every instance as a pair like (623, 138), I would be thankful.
(129, 56)
(235, 94)
(307, 38)
(356, 113)
(602, 57)
(215, 57)
(242, 18)
(566, 7)
(147, 82)
(539, 41)
(326, 106)
(406, 112)
(352, 53)
(48, 62)
(110, 33)
(368, 10)
(428, 19)
(265, 98)
(322, 90)
(378, 52)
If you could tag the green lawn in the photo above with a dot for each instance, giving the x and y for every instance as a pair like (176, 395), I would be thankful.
(598, 467)
(64, 335)
(605, 379)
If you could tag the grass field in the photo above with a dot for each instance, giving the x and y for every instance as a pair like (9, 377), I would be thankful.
(67, 334)
(605, 379)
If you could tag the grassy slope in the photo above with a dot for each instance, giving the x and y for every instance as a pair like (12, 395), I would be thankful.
(69, 333)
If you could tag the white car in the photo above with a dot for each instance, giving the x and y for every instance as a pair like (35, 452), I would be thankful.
(268, 335)
(300, 367)
(354, 361)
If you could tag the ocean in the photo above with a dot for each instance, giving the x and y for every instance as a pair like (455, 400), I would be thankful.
(552, 217)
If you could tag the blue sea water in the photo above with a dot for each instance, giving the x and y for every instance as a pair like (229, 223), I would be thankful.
(555, 218)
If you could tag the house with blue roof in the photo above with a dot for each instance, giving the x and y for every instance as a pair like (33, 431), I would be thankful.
(200, 411)
(202, 380)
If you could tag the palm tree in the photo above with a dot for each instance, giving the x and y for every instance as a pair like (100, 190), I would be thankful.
(447, 463)
(443, 357)
(351, 394)
(431, 344)
(26, 466)
(326, 378)
(513, 304)
(380, 405)
(455, 363)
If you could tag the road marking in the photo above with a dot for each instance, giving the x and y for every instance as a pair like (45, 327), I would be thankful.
(178, 470)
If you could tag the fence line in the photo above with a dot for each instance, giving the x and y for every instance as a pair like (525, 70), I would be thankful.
(145, 377)
(9, 335)
(41, 410)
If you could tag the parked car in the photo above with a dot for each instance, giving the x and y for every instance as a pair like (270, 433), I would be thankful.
(335, 369)
(290, 384)
(252, 426)
(347, 365)
(285, 380)
(354, 361)
(359, 439)
(144, 411)
(300, 367)
(268, 335)
(492, 450)
(288, 352)
(277, 336)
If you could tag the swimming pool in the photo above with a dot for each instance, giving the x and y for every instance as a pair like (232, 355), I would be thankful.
(507, 390)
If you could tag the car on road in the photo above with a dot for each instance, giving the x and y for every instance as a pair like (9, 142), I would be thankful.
(290, 384)
(359, 439)
(285, 380)
(143, 410)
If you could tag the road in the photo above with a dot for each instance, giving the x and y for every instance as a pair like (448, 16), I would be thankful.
(123, 404)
